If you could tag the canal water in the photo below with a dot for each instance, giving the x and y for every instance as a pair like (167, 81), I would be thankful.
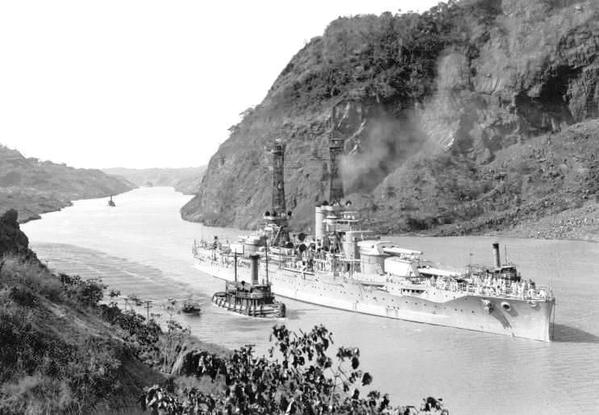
(143, 247)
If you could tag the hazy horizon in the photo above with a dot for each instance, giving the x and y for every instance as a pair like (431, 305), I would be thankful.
(146, 84)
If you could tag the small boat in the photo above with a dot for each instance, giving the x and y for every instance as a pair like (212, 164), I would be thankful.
(191, 306)
(111, 202)
(254, 300)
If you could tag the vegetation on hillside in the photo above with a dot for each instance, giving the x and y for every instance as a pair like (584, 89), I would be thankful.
(390, 59)
(57, 354)
(32, 186)
(415, 94)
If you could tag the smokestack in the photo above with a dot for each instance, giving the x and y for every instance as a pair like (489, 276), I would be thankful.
(496, 255)
(254, 268)
(319, 215)
(278, 179)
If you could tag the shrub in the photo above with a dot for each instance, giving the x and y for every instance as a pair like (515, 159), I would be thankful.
(37, 394)
(85, 292)
(299, 378)
(22, 296)
(142, 336)
(171, 343)
(89, 292)
(31, 274)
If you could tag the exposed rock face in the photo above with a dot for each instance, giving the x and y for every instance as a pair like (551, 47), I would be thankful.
(12, 239)
(434, 107)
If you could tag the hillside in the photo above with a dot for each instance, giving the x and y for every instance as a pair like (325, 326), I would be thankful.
(58, 353)
(185, 180)
(474, 117)
(33, 187)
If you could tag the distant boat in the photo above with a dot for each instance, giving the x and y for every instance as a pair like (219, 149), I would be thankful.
(111, 202)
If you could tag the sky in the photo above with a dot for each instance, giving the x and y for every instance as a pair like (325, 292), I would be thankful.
(145, 83)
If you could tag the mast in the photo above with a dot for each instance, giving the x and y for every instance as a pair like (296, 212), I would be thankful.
(278, 178)
(235, 260)
(266, 261)
(336, 143)
(278, 217)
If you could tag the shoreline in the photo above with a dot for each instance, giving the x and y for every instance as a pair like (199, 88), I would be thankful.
(575, 224)
(543, 227)
(511, 234)
(31, 211)
(498, 234)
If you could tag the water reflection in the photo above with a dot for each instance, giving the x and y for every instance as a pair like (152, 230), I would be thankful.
(568, 334)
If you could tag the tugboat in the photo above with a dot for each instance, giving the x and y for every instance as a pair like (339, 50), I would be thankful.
(254, 300)
(111, 202)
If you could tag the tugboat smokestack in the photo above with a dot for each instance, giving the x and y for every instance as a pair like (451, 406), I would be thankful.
(254, 268)
(496, 255)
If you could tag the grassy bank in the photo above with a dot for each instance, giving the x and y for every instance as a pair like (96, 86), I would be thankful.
(57, 352)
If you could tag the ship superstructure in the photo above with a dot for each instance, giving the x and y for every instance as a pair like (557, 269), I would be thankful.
(345, 267)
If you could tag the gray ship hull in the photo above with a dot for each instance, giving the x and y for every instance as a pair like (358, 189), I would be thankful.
(507, 316)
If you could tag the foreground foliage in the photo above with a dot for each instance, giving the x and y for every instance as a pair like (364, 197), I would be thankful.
(298, 377)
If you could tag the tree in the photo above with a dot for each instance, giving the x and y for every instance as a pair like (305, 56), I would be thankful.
(298, 377)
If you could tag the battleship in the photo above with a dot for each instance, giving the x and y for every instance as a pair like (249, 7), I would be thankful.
(345, 267)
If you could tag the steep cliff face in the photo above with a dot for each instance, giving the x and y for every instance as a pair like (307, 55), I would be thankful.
(12, 239)
(439, 112)
(32, 186)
